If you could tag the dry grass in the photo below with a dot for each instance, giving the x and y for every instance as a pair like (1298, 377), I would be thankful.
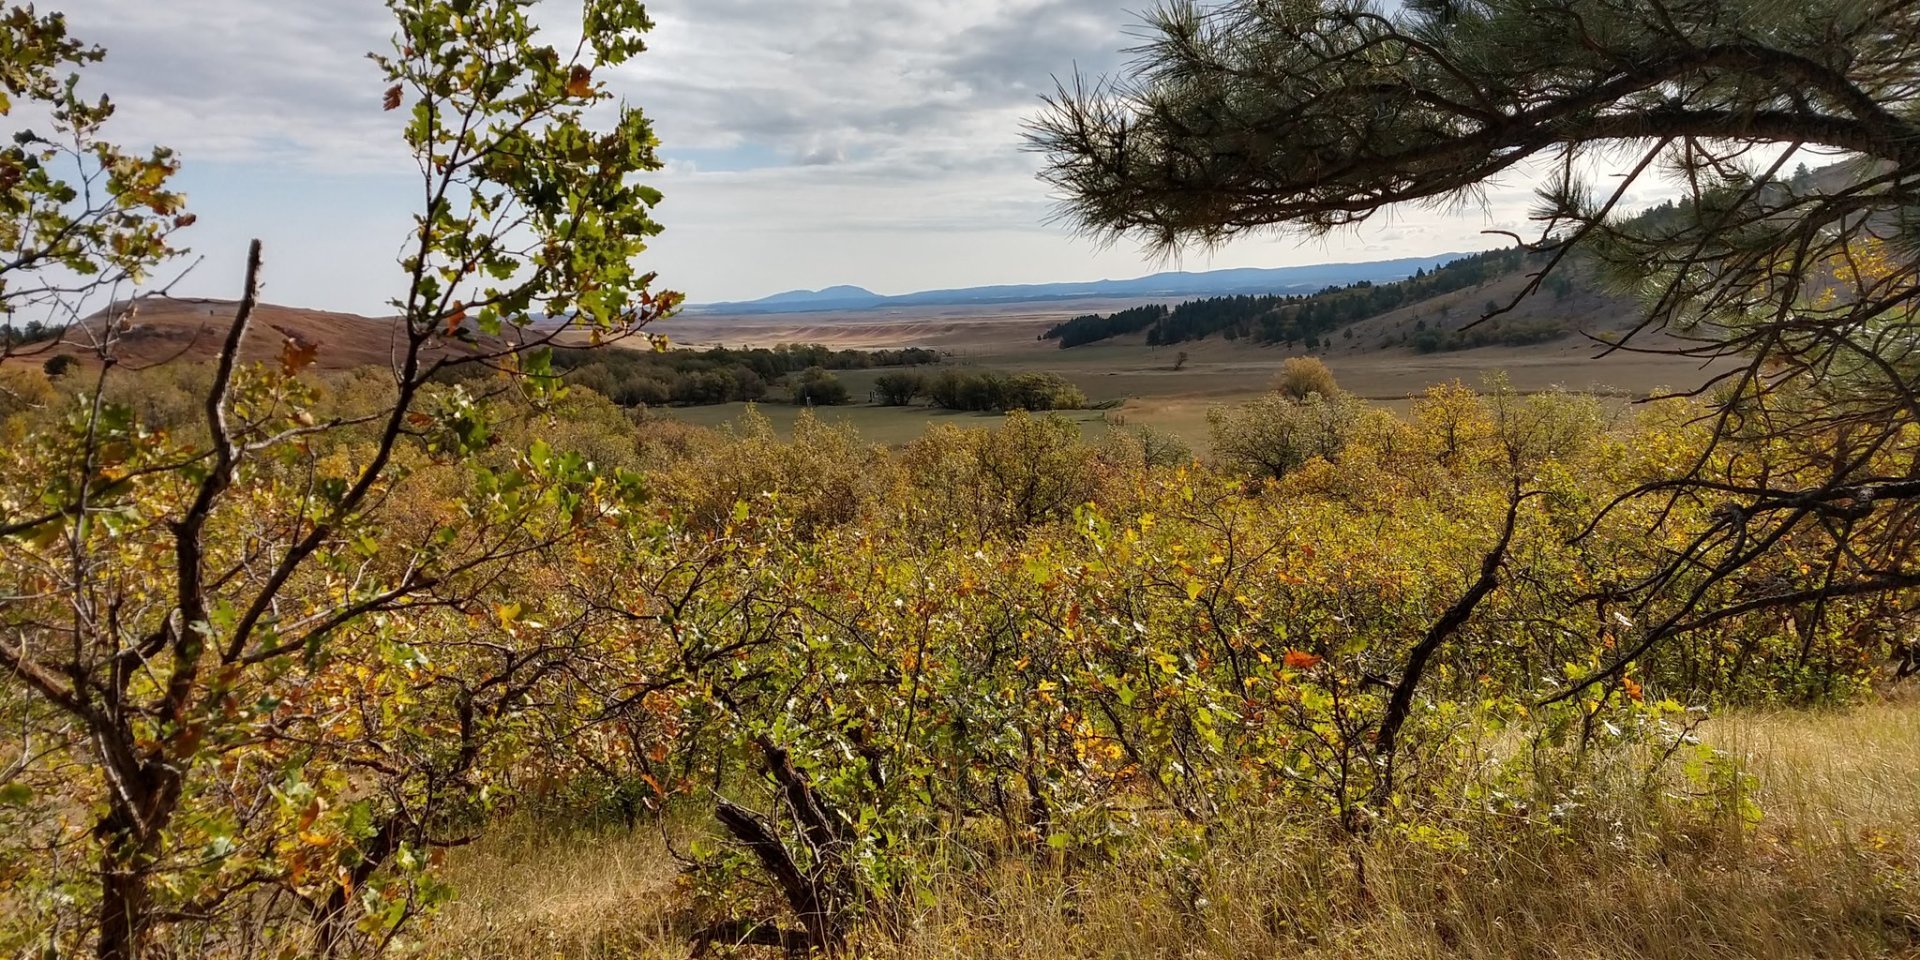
(1833, 870)
(529, 893)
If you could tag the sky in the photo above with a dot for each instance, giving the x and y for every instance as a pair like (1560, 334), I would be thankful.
(809, 144)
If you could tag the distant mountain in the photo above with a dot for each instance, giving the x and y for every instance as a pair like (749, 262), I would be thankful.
(1212, 283)
(812, 299)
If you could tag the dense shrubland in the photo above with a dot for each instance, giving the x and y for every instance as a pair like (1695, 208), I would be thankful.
(1629, 871)
(991, 646)
(275, 642)
(1500, 331)
(805, 375)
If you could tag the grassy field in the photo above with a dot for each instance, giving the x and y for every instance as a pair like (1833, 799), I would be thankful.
(1828, 871)
(1155, 393)
(1150, 393)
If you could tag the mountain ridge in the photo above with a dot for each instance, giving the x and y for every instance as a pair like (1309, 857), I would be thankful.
(1181, 283)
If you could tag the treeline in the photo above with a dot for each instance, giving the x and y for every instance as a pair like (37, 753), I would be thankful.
(981, 391)
(1306, 319)
(722, 375)
(1094, 327)
(33, 331)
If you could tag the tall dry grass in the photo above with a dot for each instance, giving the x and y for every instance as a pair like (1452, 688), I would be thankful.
(1832, 869)
(547, 891)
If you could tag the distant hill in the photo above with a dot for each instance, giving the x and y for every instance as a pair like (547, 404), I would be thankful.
(1312, 317)
(167, 328)
(832, 298)
(1472, 301)
(1247, 280)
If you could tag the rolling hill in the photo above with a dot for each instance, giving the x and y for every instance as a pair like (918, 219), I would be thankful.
(188, 330)
(1475, 301)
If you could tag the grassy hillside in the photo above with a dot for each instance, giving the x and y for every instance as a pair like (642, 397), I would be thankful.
(190, 330)
(1476, 301)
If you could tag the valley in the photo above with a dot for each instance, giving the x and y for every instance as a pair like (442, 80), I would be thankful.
(1134, 383)
(1155, 389)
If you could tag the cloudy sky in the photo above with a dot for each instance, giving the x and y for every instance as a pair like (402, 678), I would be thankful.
(811, 143)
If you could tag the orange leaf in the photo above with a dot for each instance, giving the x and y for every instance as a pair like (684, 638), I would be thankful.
(310, 814)
(1301, 660)
(455, 318)
(297, 354)
(392, 101)
(1633, 689)
(580, 82)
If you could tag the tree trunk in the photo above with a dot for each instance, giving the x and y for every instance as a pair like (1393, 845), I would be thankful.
(1387, 736)
(126, 915)
(333, 918)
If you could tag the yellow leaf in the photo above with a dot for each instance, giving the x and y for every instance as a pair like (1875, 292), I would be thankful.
(507, 612)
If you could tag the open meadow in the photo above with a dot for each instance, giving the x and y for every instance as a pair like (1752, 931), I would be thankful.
(1141, 381)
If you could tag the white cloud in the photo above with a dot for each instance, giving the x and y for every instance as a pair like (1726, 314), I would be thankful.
(865, 141)
(246, 80)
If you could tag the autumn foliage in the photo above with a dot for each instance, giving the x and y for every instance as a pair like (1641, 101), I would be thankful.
(1009, 639)
(276, 642)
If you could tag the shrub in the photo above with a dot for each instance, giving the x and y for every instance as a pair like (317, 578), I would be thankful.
(1276, 434)
(999, 483)
(898, 389)
(24, 390)
(968, 390)
(1145, 448)
(818, 388)
(1041, 392)
(748, 386)
(1302, 377)
(708, 386)
(824, 475)
(944, 389)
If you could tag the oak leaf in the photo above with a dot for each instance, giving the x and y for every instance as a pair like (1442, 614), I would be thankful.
(580, 82)
(296, 352)
(1301, 660)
